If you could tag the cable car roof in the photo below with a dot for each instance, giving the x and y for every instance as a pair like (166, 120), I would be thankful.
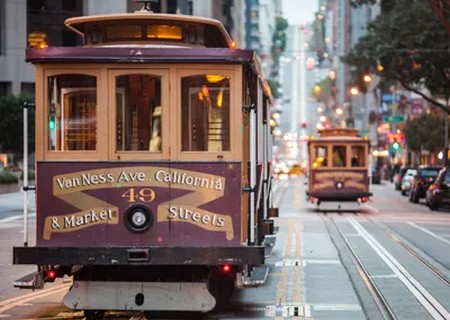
(145, 27)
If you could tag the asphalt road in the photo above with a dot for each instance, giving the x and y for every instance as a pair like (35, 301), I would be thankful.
(390, 258)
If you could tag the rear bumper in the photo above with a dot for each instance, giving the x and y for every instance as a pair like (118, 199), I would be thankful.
(322, 196)
(237, 255)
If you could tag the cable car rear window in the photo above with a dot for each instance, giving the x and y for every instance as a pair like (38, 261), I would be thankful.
(155, 32)
(164, 32)
(121, 32)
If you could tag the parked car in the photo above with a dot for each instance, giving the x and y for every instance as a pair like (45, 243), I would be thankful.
(405, 184)
(438, 194)
(376, 177)
(399, 176)
(424, 177)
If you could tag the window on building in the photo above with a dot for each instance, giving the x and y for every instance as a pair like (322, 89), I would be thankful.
(205, 113)
(27, 87)
(5, 88)
(172, 6)
(46, 17)
(72, 112)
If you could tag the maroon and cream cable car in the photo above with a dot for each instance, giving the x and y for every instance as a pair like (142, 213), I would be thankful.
(338, 170)
(152, 154)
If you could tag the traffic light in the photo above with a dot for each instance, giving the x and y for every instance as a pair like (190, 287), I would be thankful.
(52, 118)
(396, 146)
(51, 123)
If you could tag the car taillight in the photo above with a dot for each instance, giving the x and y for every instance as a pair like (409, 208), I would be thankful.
(226, 268)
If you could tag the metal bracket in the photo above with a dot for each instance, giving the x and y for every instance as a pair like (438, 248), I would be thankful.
(29, 105)
(249, 189)
(29, 188)
(249, 107)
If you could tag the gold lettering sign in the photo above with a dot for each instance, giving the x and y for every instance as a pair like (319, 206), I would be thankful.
(324, 180)
(205, 188)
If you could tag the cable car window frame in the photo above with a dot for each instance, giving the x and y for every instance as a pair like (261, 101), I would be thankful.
(164, 74)
(234, 73)
(101, 122)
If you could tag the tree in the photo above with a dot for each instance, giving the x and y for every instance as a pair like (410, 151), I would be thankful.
(425, 133)
(412, 47)
(278, 46)
(11, 124)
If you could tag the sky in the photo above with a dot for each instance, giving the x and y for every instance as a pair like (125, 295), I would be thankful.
(299, 11)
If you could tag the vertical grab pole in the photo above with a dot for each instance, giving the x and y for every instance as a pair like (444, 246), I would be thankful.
(25, 174)
(252, 172)
(265, 163)
(25, 187)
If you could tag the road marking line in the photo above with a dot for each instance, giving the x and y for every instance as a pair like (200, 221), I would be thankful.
(368, 206)
(321, 261)
(297, 290)
(282, 283)
(436, 310)
(12, 218)
(384, 276)
(429, 232)
(14, 302)
(336, 307)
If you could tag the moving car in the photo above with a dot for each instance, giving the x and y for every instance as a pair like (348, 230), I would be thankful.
(438, 194)
(405, 184)
(422, 180)
(399, 176)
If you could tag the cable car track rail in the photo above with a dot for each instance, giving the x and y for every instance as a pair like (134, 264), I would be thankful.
(426, 298)
(372, 288)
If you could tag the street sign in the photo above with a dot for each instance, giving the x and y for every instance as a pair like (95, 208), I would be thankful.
(394, 119)
(363, 132)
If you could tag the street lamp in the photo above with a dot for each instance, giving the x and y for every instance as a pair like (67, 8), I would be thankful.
(367, 78)
(354, 91)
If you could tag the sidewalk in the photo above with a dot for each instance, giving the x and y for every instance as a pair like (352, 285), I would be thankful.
(11, 201)
(10, 187)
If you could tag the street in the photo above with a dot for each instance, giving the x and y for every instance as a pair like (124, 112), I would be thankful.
(389, 261)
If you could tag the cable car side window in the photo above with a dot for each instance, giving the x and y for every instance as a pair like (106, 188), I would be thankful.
(358, 156)
(205, 113)
(339, 156)
(321, 156)
(138, 113)
(72, 112)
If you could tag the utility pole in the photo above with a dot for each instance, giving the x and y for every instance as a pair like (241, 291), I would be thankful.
(446, 132)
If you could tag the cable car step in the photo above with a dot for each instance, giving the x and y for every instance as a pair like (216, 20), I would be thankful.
(269, 240)
(257, 277)
(30, 281)
(268, 251)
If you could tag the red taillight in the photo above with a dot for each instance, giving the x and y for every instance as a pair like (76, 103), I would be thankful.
(364, 199)
(226, 268)
(51, 274)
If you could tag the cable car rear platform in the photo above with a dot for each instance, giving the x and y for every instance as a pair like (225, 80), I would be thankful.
(338, 206)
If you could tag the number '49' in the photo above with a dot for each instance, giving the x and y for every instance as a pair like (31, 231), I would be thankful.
(141, 195)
